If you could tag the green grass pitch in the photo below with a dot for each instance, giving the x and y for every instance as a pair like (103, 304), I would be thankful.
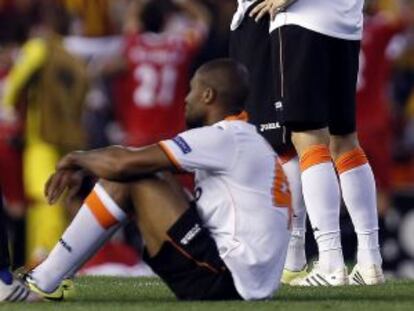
(124, 294)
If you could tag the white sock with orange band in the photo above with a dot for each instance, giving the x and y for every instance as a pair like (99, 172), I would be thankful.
(95, 220)
(359, 194)
(296, 255)
(322, 197)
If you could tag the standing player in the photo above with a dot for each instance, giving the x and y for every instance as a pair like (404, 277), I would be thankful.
(222, 246)
(316, 45)
(156, 62)
(247, 36)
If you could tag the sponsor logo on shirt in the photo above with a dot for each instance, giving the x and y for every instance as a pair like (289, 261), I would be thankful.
(182, 144)
(269, 126)
(190, 234)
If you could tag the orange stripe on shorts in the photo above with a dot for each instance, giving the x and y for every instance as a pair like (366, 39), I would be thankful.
(314, 155)
(350, 160)
(98, 209)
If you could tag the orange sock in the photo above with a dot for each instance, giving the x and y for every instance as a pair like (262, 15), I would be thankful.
(98, 209)
(94, 223)
(359, 194)
(350, 160)
(322, 198)
(314, 155)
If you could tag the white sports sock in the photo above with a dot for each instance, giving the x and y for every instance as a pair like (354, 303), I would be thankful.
(296, 255)
(359, 194)
(97, 216)
(322, 198)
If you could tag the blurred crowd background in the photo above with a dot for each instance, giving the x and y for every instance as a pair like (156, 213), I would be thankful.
(80, 74)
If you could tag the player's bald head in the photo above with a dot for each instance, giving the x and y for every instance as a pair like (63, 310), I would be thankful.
(229, 80)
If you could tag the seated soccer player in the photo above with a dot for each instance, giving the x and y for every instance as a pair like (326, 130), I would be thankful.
(11, 289)
(230, 243)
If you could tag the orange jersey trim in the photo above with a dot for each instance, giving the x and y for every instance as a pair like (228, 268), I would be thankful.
(314, 155)
(101, 213)
(170, 155)
(350, 160)
(243, 116)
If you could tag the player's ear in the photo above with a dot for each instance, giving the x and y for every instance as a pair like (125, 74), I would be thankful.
(209, 95)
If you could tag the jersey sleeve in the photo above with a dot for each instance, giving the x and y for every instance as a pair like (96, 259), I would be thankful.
(207, 148)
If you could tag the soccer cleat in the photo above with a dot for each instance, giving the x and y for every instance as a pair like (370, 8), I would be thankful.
(288, 276)
(371, 275)
(318, 278)
(17, 291)
(65, 290)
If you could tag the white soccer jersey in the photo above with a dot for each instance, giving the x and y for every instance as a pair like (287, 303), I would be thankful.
(242, 198)
(336, 18)
(242, 7)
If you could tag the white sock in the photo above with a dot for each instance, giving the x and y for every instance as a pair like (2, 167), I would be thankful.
(296, 255)
(97, 216)
(330, 251)
(359, 194)
(322, 198)
(93, 250)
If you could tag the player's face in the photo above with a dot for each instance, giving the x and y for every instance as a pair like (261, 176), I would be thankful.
(195, 110)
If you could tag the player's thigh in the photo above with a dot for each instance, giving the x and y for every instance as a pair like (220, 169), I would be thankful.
(159, 201)
(344, 73)
(189, 262)
(302, 73)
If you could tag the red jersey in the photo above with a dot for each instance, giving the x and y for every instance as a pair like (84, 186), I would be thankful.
(374, 72)
(150, 102)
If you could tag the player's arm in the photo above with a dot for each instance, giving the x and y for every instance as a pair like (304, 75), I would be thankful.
(118, 163)
(32, 57)
(195, 11)
(271, 7)
(114, 163)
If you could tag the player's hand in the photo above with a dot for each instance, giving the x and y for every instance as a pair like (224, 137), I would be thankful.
(70, 179)
(271, 7)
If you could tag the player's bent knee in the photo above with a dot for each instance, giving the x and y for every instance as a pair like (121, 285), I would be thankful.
(119, 192)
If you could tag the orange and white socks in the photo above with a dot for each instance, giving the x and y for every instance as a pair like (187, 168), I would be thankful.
(322, 198)
(359, 194)
(94, 223)
(296, 255)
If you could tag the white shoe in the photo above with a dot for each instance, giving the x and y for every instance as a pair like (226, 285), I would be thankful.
(370, 275)
(15, 292)
(318, 278)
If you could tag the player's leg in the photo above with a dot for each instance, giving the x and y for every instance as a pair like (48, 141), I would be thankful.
(11, 290)
(296, 263)
(94, 223)
(250, 44)
(5, 274)
(355, 173)
(304, 79)
(178, 248)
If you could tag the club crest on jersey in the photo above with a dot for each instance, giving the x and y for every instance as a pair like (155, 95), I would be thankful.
(182, 144)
